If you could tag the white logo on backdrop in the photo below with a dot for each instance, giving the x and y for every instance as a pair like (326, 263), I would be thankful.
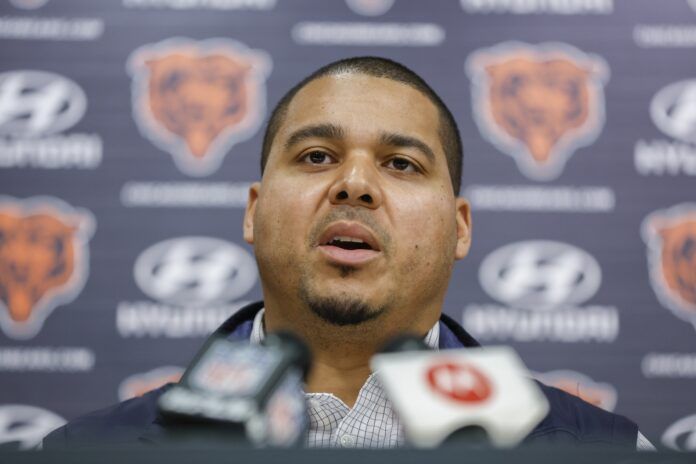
(673, 110)
(37, 103)
(541, 285)
(370, 7)
(681, 435)
(540, 275)
(29, 4)
(525, 7)
(26, 425)
(195, 271)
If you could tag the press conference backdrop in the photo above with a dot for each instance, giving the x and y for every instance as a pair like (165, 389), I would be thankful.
(130, 131)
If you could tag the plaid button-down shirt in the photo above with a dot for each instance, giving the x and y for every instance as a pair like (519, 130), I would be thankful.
(370, 423)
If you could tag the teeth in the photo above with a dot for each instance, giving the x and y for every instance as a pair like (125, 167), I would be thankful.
(347, 239)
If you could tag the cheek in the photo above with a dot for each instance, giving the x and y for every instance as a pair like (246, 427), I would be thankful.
(432, 213)
(284, 213)
(429, 233)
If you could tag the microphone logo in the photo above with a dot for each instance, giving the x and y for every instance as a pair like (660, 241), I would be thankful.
(459, 382)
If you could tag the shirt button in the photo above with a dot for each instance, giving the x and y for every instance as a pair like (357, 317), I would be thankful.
(347, 441)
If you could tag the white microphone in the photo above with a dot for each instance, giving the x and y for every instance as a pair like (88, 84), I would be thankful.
(452, 394)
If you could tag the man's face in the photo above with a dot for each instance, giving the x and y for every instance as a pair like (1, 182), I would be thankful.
(356, 206)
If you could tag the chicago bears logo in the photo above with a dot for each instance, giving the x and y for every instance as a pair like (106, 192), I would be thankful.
(539, 103)
(198, 99)
(139, 384)
(671, 239)
(43, 260)
(602, 395)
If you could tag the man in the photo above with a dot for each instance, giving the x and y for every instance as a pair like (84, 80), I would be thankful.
(356, 226)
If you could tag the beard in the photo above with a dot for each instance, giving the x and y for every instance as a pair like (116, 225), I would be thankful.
(342, 310)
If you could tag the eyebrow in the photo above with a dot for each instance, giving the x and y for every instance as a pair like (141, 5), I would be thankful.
(405, 141)
(335, 132)
(321, 131)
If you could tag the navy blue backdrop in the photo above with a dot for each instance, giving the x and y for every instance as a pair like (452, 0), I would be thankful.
(130, 131)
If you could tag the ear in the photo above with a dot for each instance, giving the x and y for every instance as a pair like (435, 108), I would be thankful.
(250, 211)
(463, 216)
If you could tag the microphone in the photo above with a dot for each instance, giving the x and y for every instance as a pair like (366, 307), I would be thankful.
(475, 396)
(237, 392)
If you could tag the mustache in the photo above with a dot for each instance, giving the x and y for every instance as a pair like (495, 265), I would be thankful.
(351, 213)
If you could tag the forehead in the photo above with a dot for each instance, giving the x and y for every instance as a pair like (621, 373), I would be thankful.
(364, 105)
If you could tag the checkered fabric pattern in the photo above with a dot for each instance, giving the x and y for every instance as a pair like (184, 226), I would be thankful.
(371, 423)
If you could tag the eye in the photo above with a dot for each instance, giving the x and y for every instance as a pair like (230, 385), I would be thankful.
(402, 164)
(317, 157)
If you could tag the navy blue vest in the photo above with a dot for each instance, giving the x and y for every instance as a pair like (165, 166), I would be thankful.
(570, 422)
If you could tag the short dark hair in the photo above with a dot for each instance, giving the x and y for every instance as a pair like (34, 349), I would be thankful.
(388, 69)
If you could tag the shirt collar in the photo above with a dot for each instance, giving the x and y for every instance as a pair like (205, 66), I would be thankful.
(258, 332)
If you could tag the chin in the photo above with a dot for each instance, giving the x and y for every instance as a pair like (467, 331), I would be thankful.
(342, 308)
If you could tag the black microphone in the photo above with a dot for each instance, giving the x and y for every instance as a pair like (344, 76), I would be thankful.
(475, 397)
(235, 392)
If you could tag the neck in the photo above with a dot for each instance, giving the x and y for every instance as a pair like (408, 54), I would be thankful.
(343, 376)
(340, 354)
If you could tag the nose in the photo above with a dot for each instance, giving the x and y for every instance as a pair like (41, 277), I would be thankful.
(357, 183)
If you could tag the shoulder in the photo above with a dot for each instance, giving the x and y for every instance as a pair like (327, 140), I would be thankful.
(126, 422)
(121, 423)
(572, 421)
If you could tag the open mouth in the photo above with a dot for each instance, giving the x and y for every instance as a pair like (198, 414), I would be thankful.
(349, 243)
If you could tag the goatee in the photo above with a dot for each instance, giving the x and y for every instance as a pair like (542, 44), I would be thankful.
(341, 311)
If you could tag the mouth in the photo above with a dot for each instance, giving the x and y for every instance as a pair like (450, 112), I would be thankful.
(349, 244)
